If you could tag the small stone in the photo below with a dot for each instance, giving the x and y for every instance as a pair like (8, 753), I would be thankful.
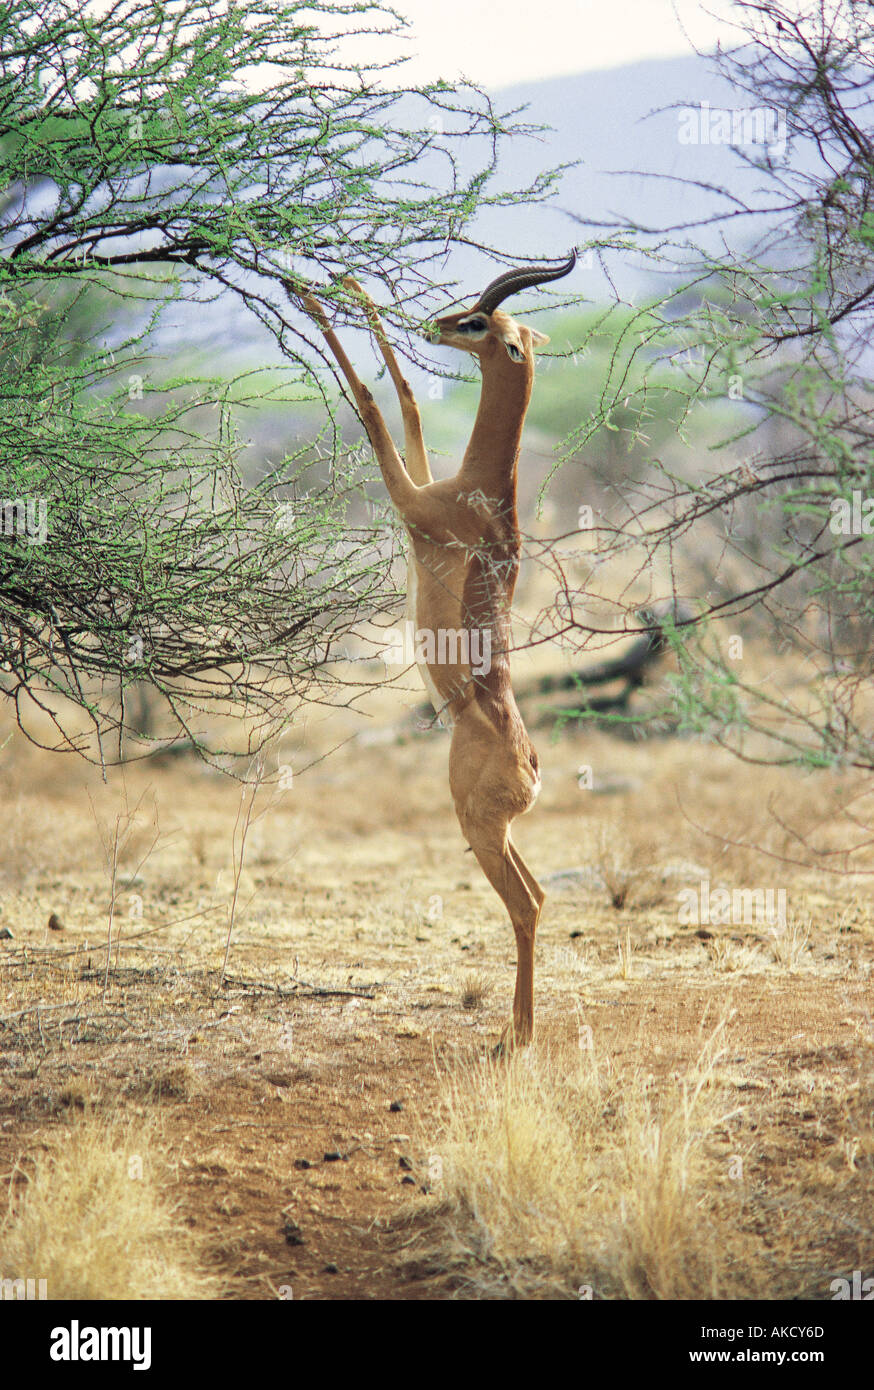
(395, 1106)
(331, 1269)
(292, 1232)
(302, 1163)
(405, 1164)
(334, 1156)
(55, 923)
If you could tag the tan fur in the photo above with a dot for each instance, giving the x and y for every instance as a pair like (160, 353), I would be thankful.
(465, 543)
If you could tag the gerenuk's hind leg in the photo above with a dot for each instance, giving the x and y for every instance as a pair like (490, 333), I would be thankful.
(523, 898)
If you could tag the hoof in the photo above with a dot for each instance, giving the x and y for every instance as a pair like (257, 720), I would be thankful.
(511, 1040)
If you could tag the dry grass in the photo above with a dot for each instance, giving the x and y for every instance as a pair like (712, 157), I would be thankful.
(371, 943)
(93, 1220)
(564, 1177)
(625, 865)
(791, 944)
(474, 988)
(732, 957)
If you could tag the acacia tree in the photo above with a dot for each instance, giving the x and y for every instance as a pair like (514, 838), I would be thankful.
(160, 156)
(766, 336)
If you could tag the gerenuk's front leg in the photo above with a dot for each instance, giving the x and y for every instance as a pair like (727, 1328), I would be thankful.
(414, 441)
(401, 488)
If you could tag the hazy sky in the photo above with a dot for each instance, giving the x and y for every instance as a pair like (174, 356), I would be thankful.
(500, 42)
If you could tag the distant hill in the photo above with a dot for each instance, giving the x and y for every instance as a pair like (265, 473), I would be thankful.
(621, 126)
(613, 122)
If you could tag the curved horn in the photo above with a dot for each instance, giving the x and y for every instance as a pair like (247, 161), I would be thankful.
(521, 279)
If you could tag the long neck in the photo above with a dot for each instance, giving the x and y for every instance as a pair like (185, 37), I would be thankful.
(490, 458)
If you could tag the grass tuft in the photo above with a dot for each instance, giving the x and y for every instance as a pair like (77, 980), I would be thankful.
(93, 1220)
(565, 1177)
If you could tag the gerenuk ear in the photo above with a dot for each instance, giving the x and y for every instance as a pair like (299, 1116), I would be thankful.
(538, 339)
